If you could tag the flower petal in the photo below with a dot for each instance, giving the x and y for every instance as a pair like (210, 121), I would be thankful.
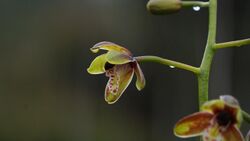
(212, 133)
(193, 125)
(230, 101)
(140, 81)
(98, 65)
(110, 47)
(120, 77)
(115, 57)
(232, 133)
(213, 105)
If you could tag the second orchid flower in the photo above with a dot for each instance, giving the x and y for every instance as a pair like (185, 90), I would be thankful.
(219, 120)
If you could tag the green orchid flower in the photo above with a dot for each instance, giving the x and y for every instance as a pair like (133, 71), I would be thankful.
(219, 120)
(119, 65)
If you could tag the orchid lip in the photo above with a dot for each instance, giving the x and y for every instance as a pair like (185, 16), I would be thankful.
(224, 118)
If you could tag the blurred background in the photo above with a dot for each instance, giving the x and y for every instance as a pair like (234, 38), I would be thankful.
(46, 93)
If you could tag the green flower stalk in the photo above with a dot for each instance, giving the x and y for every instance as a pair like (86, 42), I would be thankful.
(119, 66)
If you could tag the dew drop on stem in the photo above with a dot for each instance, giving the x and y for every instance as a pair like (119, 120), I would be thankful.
(196, 8)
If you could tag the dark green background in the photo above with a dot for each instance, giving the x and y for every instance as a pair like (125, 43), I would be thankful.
(47, 95)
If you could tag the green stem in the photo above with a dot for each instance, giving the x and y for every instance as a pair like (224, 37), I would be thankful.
(194, 3)
(237, 43)
(167, 62)
(203, 77)
(246, 116)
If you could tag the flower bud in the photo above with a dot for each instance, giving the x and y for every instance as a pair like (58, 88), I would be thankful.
(160, 7)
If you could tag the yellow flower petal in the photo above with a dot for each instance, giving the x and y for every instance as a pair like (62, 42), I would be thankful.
(213, 105)
(193, 125)
(98, 65)
(115, 57)
(109, 46)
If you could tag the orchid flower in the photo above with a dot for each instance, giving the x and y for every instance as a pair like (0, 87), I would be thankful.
(119, 65)
(219, 120)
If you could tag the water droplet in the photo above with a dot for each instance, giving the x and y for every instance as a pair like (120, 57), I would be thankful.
(196, 8)
(172, 67)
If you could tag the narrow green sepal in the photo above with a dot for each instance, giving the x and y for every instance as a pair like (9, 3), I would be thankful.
(140, 81)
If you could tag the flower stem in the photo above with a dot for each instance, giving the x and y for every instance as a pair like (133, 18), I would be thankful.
(203, 77)
(246, 116)
(237, 43)
(168, 63)
(194, 3)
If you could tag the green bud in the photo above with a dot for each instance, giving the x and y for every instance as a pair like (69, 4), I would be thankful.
(160, 7)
